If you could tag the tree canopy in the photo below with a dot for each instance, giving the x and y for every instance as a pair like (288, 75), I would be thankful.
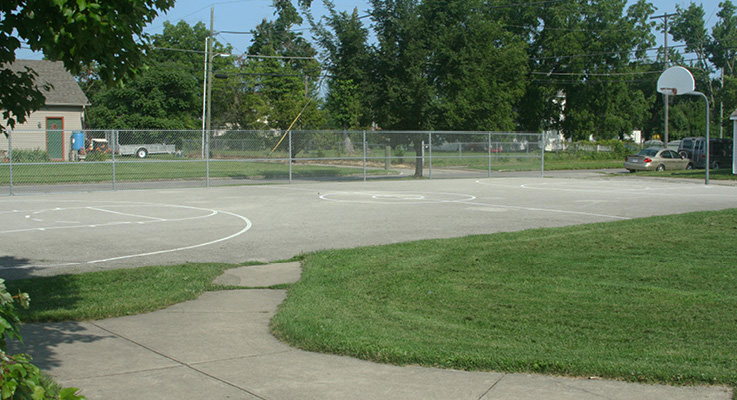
(579, 67)
(108, 34)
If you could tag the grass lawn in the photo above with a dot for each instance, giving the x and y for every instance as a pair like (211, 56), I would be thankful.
(164, 169)
(105, 294)
(649, 300)
(716, 174)
(644, 300)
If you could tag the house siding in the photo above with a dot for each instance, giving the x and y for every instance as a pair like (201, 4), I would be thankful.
(28, 136)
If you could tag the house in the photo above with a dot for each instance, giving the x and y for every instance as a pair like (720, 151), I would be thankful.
(50, 128)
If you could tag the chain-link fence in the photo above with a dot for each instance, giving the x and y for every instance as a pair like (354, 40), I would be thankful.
(66, 161)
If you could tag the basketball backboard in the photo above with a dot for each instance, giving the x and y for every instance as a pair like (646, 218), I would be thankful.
(676, 81)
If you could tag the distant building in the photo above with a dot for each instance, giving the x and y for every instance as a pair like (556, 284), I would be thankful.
(50, 128)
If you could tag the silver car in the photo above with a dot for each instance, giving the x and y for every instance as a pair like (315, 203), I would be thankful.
(656, 159)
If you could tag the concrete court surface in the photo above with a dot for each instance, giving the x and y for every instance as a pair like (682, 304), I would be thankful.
(68, 233)
(227, 351)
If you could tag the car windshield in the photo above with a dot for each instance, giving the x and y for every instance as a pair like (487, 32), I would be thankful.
(648, 152)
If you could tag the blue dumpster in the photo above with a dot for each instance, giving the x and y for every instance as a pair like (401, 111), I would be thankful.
(77, 140)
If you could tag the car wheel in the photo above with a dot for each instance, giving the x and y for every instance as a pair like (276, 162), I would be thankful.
(632, 171)
(660, 168)
(141, 153)
(715, 165)
(689, 166)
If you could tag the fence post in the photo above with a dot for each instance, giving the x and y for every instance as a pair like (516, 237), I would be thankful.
(10, 160)
(114, 144)
(364, 155)
(207, 157)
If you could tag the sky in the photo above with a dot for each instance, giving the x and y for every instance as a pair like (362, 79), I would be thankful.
(244, 15)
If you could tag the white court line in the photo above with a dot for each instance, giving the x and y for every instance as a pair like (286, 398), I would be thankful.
(242, 231)
(212, 213)
(550, 210)
(401, 197)
(86, 226)
(125, 214)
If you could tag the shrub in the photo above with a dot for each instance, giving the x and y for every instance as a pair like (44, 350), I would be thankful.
(19, 379)
(30, 156)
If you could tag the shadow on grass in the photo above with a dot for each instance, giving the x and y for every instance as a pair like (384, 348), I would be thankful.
(43, 340)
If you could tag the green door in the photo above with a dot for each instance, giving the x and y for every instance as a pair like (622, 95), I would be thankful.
(55, 138)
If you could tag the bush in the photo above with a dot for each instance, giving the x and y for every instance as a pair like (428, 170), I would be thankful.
(19, 379)
(30, 156)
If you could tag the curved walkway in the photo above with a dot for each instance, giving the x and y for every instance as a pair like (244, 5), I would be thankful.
(219, 347)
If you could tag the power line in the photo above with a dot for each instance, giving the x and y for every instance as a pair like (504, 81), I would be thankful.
(526, 4)
(595, 74)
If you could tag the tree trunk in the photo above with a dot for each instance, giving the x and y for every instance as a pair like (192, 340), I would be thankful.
(418, 159)
(347, 144)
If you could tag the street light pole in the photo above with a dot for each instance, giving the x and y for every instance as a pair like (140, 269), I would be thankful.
(204, 98)
(209, 70)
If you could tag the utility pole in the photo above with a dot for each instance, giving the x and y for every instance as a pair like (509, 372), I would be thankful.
(209, 71)
(665, 96)
(721, 110)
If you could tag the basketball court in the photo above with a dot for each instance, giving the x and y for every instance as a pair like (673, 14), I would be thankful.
(70, 233)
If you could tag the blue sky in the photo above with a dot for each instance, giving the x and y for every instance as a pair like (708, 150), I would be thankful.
(244, 15)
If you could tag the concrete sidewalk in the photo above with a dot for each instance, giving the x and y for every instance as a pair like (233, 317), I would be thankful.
(219, 347)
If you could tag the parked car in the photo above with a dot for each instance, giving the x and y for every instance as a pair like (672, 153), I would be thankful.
(656, 159)
(720, 151)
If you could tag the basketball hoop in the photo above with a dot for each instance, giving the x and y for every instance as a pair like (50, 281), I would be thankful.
(676, 81)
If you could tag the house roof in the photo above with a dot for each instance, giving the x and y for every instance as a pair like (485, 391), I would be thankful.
(64, 88)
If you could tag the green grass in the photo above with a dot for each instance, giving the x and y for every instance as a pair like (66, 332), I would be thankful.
(648, 300)
(127, 170)
(718, 174)
(97, 295)
(644, 300)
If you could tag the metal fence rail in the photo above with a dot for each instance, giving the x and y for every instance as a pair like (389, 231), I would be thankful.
(66, 161)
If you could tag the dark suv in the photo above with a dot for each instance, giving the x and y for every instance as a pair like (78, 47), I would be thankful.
(720, 151)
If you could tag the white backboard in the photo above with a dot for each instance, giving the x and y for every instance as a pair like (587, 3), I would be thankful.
(675, 81)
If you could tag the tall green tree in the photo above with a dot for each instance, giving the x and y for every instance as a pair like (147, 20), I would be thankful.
(81, 33)
(477, 68)
(167, 94)
(723, 54)
(402, 90)
(689, 27)
(591, 52)
(286, 74)
(344, 41)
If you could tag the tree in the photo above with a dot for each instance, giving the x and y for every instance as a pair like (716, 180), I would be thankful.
(167, 93)
(286, 74)
(402, 93)
(591, 52)
(107, 33)
(477, 68)
(344, 41)
(688, 26)
(723, 54)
